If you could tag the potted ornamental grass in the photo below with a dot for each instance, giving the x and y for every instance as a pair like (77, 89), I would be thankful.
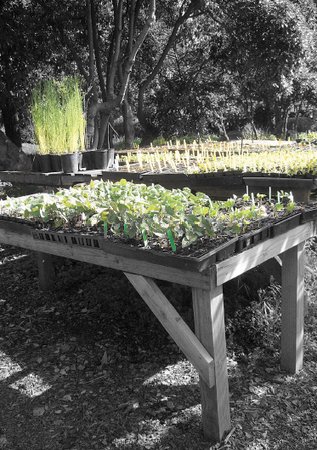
(59, 124)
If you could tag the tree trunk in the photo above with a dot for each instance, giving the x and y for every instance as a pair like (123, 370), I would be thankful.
(222, 127)
(251, 118)
(285, 123)
(254, 130)
(129, 132)
(278, 119)
(104, 131)
(297, 119)
(149, 130)
(11, 121)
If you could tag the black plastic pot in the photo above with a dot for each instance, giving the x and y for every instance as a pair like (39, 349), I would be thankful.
(87, 162)
(98, 159)
(36, 164)
(56, 164)
(102, 159)
(110, 158)
(70, 162)
(80, 161)
(44, 162)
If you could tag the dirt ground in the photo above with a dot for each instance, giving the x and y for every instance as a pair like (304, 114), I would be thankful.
(86, 366)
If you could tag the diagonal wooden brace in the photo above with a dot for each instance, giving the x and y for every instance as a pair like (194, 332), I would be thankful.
(175, 326)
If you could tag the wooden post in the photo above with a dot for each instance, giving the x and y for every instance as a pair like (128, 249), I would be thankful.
(46, 271)
(210, 330)
(292, 308)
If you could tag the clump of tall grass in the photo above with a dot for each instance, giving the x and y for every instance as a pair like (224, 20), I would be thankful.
(58, 118)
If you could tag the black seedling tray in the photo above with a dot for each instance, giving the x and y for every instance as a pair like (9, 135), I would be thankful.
(191, 263)
(117, 176)
(285, 224)
(129, 251)
(118, 247)
(74, 239)
(309, 214)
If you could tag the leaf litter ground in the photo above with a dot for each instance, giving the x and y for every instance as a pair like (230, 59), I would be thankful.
(86, 366)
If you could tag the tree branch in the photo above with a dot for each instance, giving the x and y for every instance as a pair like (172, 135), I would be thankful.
(179, 22)
(91, 47)
(131, 26)
(192, 7)
(139, 41)
(97, 51)
(65, 39)
(117, 45)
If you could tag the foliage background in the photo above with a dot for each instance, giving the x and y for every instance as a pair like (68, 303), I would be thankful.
(203, 66)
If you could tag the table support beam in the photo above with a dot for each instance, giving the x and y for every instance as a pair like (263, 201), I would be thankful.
(175, 326)
(292, 308)
(210, 330)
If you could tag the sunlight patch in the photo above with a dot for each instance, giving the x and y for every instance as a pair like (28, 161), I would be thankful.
(153, 432)
(11, 258)
(7, 366)
(170, 376)
(31, 385)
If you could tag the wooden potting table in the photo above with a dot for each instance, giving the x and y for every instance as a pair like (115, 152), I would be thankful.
(56, 179)
(206, 348)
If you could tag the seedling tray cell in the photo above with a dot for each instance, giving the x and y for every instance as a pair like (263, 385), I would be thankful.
(226, 250)
(252, 238)
(73, 239)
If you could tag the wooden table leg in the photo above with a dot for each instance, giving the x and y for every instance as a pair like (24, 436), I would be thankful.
(210, 330)
(292, 308)
(46, 271)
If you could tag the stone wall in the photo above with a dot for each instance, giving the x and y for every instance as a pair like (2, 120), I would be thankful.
(12, 157)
